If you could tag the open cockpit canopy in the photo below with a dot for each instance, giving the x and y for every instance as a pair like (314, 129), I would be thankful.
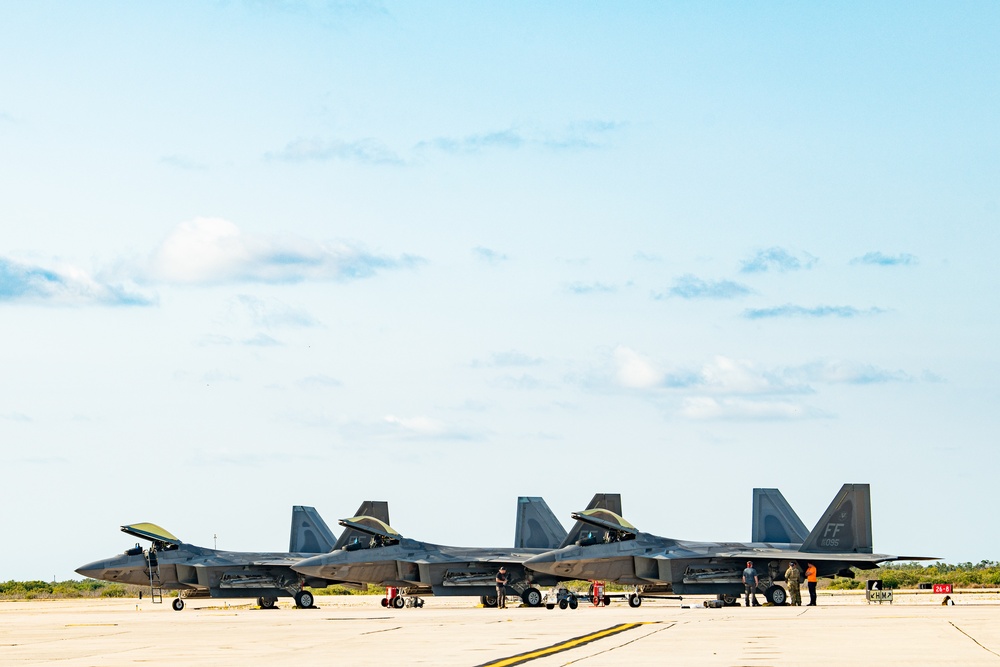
(151, 532)
(618, 527)
(372, 526)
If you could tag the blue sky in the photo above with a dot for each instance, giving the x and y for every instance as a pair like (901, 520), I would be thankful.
(257, 254)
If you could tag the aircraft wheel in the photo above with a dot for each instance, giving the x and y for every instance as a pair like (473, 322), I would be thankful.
(563, 604)
(532, 597)
(729, 600)
(573, 604)
(398, 602)
(776, 595)
(303, 599)
(489, 600)
(607, 600)
(267, 603)
(634, 600)
(177, 604)
(385, 603)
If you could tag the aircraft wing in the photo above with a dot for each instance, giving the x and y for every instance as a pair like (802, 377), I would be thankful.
(277, 561)
(816, 556)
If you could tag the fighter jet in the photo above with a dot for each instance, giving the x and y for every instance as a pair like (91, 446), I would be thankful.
(841, 540)
(170, 564)
(386, 558)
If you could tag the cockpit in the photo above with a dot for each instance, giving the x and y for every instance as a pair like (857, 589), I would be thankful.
(610, 527)
(376, 533)
(161, 539)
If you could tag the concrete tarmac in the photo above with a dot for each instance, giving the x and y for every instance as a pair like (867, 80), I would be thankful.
(356, 630)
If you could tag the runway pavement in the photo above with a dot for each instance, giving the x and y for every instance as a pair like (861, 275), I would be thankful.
(356, 630)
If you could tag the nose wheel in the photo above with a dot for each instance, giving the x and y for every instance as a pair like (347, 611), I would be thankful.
(177, 604)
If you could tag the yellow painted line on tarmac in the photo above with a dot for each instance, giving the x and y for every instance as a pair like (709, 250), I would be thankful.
(522, 658)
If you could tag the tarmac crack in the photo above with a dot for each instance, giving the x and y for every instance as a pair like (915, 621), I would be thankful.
(973, 639)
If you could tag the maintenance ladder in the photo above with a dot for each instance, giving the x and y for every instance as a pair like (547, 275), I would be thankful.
(155, 585)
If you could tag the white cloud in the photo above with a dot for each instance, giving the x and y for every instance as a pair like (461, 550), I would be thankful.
(736, 376)
(423, 426)
(216, 251)
(61, 284)
(707, 408)
(634, 370)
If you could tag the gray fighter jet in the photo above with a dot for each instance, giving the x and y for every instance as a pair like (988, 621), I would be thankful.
(841, 540)
(170, 564)
(386, 558)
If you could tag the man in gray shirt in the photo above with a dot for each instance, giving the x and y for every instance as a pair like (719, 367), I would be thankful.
(750, 582)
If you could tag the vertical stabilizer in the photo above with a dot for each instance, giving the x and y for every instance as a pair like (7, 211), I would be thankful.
(537, 527)
(310, 534)
(774, 520)
(846, 525)
(587, 532)
(378, 509)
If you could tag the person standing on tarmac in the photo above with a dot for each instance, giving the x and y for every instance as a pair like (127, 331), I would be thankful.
(794, 579)
(750, 582)
(811, 582)
(502, 588)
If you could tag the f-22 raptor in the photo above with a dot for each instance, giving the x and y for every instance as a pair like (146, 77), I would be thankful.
(193, 571)
(386, 558)
(841, 540)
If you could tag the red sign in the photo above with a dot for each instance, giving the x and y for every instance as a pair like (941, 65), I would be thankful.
(942, 588)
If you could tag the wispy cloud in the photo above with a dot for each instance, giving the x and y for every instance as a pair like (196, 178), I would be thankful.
(262, 340)
(843, 372)
(363, 151)
(582, 135)
(63, 285)
(777, 259)
(789, 310)
(181, 162)
(272, 313)
(710, 409)
(423, 428)
(691, 287)
(880, 259)
(591, 288)
(215, 251)
(511, 359)
(489, 255)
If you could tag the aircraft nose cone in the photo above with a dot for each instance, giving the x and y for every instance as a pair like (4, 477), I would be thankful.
(91, 570)
(311, 567)
(542, 563)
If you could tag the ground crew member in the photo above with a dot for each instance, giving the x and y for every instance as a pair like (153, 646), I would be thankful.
(502, 588)
(750, 582)
(811, 582)
(794, 578)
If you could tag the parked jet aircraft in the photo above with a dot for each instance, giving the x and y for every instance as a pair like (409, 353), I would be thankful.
(387, 558)
(170, 564)
(841, 540)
